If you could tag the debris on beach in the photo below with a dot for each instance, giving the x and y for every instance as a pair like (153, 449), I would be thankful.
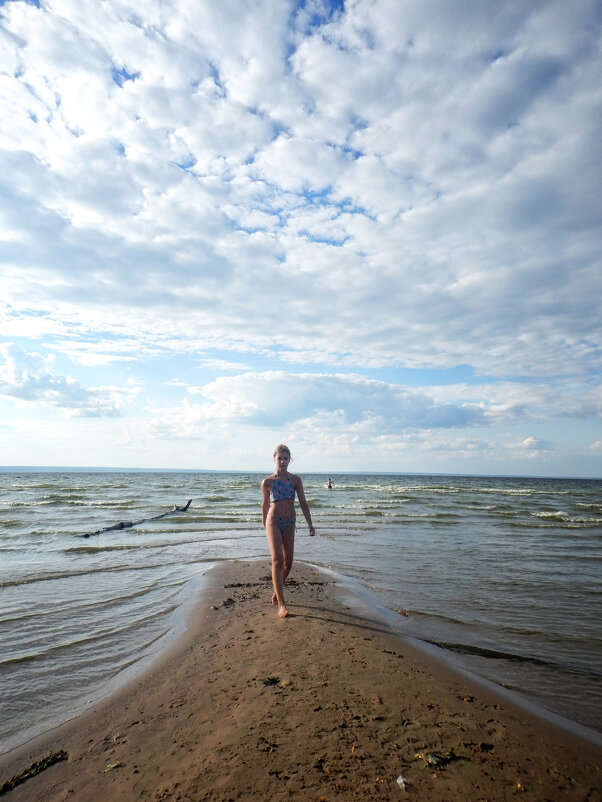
(402, 782)
(112, 766)
(434, 759)
(226, 603)
(34, 769)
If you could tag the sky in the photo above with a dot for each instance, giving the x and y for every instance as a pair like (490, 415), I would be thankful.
(369, 229)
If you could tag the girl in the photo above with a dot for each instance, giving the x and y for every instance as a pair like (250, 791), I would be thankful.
(278, 512)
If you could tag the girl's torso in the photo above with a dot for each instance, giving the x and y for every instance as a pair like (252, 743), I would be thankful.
(282, 494)
(282, 489)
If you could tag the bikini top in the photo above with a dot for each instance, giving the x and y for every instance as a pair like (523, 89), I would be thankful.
(282, 489)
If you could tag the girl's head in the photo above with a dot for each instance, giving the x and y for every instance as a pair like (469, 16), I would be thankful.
(282, 454)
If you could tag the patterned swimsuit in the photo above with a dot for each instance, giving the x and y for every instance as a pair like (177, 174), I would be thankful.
(282, 489)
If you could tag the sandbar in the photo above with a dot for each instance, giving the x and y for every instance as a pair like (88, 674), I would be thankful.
(327, 704)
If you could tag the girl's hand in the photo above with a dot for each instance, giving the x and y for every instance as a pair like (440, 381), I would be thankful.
(312, 531)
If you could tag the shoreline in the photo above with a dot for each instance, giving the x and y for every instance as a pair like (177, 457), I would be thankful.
(326, 703)
(150, 656)
(352, 593)
(362, 599)
(187, 627)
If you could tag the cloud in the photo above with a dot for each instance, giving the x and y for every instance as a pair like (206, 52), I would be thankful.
(28, 378)
(530, 447)
(357, 188)
(280, 399)
(439, 208)
(355, 418)
(531, 443)
(221, 365)
(534, 401)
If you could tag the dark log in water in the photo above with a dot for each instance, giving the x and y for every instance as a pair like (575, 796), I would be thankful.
(130, 524)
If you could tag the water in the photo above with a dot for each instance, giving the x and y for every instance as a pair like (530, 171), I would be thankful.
(504, 572)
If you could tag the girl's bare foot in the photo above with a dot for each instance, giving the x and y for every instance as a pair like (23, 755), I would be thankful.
(274, 600)
(282, 611)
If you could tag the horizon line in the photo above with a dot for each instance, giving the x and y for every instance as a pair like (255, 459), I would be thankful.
(100, 469)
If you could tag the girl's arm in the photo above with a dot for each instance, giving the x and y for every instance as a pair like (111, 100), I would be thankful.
(304, 506)
(265, 506)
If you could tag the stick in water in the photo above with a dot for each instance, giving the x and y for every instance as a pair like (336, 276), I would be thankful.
(129, 524)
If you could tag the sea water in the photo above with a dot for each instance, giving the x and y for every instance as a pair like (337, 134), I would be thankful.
(504, 573)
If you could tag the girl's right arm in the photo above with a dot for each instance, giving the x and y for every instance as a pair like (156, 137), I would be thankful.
(265, 507)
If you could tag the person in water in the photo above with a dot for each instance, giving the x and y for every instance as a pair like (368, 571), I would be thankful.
(278, 510)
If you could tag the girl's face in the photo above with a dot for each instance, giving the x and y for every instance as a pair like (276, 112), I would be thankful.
(282, 460)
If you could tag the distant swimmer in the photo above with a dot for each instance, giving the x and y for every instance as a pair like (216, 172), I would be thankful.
(329, 484)
(278, 513)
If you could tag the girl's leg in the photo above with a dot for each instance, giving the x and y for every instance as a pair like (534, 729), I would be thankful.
(277, 551)
(288, 547)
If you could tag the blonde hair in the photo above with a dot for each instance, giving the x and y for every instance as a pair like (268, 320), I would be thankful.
(281, 447)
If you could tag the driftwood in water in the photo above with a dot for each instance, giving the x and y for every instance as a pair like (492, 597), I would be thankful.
(129, 524)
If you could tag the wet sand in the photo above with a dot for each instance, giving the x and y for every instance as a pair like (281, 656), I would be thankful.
(325, 705)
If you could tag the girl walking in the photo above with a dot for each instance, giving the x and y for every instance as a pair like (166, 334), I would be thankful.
(278, 513)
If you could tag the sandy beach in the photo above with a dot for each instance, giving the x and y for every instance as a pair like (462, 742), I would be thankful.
(326, 705)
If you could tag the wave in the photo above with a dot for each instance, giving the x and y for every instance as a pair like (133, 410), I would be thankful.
(550, 522)
(159, 544)
(99, 549)
(64, 609)
(50, 577)
(559, 515)
(428, 617)
(98, 635)
(472, 489)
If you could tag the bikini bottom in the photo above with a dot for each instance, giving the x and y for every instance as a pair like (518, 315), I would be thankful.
(282, 523)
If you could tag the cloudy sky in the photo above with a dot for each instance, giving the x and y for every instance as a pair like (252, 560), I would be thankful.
(370, 229)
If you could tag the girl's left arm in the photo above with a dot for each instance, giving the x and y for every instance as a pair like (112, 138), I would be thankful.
(304, 506)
